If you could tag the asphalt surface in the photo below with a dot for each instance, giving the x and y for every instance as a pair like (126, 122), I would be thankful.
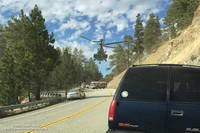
(78, 116)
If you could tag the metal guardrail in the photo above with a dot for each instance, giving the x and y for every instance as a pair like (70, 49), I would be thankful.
(11, 109)
(20, 108)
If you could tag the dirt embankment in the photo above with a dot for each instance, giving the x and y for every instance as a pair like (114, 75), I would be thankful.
(113, 84)
(185, 49)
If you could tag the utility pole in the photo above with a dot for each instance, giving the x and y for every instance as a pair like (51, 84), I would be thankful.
(128, 55)
(128, 40)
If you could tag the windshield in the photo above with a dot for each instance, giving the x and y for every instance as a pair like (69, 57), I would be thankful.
(107, 51)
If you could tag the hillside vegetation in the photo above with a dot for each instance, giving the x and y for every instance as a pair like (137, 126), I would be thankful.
(183, 49)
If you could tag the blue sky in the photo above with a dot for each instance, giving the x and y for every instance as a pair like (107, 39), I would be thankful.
(69, 19)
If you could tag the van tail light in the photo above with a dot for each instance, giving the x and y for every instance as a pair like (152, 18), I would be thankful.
(112, 110)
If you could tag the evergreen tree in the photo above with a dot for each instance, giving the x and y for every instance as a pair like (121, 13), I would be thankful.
(152, 32)
(139, 31)
(158, 27)
(128, 51)
(8, 90)
(61, 78)
(91, 72)
(28, 58)
(118, 59)
(73, 70)
(79, 60)
(15, 61)
(2, 41)
(180, 15)
(45, 56)
(30, 63)
(139, 35)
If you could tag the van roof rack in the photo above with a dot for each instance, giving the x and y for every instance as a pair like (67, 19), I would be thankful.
(181, 65)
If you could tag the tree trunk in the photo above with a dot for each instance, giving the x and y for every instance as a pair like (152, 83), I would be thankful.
(29, 95)
(37, 96)
(38, 89)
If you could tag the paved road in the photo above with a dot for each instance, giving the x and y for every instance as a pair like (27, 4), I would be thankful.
(79, 116)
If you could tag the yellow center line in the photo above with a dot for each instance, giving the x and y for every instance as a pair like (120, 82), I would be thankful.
(70, 116)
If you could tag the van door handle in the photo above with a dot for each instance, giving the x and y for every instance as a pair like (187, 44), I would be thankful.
(178, 113)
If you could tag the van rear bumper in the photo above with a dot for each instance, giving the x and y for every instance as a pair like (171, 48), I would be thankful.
(122, 131)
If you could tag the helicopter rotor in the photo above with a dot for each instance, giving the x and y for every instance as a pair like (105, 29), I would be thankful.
(108, 46)
(101, 54)
(89, 39)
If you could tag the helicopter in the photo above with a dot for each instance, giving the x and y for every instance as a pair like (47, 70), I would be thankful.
(101, 53)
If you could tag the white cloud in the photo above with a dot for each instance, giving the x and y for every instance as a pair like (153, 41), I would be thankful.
(121, 24)
(81, 16)
(73, 24)
(88, 49)
(78, 33)
(108, 34)
(104, 10)
(79, 27)
(101, 14)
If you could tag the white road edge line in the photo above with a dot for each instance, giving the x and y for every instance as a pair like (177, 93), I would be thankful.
(34, 113)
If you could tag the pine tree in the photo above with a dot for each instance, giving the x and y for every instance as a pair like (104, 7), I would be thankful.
(2, 41)
(118, 59)
(78, 59)
(45, 56)
(157, 27)
(129, 42)
(73, 70)
(180, 15)
(152, 32)
(61, 78)
(29, 56)
(139, 35)
(14, 62)
(91, 72)
(139, 31)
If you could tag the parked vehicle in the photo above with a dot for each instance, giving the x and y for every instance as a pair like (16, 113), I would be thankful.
(157, 99)
(92, 86)
(98, 84)
(76, 93)
(87, 86)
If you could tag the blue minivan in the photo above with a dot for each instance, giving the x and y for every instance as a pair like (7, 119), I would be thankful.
(160, 98)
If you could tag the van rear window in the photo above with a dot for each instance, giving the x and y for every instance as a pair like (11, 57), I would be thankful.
(186, 85)
(145, 84)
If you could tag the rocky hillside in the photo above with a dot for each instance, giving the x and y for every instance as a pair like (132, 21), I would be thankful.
(185, 49)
